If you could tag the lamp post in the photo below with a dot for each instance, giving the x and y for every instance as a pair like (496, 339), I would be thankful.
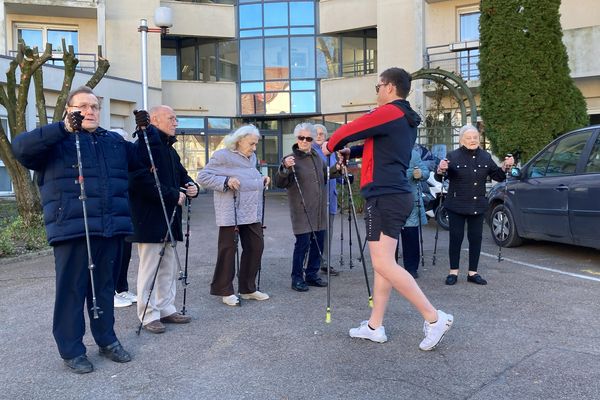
(163, 18)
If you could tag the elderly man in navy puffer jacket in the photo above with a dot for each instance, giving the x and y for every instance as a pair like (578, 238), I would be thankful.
(106, 157)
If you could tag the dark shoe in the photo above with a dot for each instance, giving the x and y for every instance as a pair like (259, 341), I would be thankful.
(299, 286)
(451, 279)
(115, 352)
(414, 274)
(332, 271)
(176, 318)
(155, 327)
(80, 364)
(477, 279)
(316, 282)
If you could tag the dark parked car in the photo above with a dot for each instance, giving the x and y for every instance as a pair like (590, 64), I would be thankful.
(554, 197)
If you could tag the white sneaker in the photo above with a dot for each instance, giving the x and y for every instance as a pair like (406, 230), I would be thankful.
(121, 302)
(435, 332)
(364, 332)
(128, 296)
(231, 300)
(255, 296)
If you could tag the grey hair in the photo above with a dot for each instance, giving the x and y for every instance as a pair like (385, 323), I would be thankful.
(305, 126)
(466, 128)
(322, 127)
(230, 141)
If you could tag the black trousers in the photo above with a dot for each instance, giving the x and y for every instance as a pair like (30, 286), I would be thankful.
(251, 238)
(410, 247)
(73, 289)
(457, 233)
(121, 284)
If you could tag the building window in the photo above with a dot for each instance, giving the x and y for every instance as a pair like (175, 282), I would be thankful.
(5, 181)
(36, 35)
(349, 54)
(199, 59)
(468, 22)
(277, 57)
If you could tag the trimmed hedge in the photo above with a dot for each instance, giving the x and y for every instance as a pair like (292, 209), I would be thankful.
(527, 95)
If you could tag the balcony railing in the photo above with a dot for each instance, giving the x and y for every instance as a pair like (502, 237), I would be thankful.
(87, 61)
(460, 58)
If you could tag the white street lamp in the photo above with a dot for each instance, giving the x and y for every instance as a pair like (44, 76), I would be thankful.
(163, 18)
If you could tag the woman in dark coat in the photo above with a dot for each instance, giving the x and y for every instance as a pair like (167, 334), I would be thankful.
(308, 206)
(467, 169)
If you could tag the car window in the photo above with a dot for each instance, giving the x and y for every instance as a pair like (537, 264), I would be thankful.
(562, 158)
(593, 163)
(538, 167)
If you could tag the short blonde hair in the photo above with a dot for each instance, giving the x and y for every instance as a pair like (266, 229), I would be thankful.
(231, 141)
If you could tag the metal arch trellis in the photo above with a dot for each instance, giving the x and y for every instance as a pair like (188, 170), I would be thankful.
(455, 84)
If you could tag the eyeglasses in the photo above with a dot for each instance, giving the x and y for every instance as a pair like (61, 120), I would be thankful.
(307, 138)
(85, 107)
(380, 85)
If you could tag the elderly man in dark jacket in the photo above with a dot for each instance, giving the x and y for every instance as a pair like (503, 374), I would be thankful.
(150, 227)
(106, 157)
(308, 205)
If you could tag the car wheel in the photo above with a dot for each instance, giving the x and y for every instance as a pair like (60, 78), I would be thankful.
(502, 225)
(441, 217)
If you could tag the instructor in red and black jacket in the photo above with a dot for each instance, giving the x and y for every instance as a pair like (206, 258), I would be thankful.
(390, 132)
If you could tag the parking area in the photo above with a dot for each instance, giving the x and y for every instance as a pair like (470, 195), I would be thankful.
(531, 333)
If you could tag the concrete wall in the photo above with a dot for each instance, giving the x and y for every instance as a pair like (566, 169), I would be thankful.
(201, 98)
(200, 19)
(346, 15)
(579, 13)
(348, 94)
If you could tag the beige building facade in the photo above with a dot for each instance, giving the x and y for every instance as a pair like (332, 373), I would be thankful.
(224, 63)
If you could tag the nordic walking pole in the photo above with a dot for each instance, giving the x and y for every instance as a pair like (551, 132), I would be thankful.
(327, 247)
(236, 241)
(419, 197)
(342, 225)
(95, 309)
(503, 215)
(162, 200)
(187, 251)
(262, 223)
(437, 225)
(362, 254)
(160, 258)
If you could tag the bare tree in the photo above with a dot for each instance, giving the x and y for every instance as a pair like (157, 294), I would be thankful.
(13, 97)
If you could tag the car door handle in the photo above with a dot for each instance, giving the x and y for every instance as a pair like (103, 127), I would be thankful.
(561, 187)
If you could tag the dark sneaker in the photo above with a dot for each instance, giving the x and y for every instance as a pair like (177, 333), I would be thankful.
(176, 318)
(477, 279)
(299, 286)
(451, 279)
(316, 282)
(115, 352)
(79, 364)
(155, 327)
(332, 271)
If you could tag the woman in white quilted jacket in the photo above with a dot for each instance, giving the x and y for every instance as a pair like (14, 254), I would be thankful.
(238, 186)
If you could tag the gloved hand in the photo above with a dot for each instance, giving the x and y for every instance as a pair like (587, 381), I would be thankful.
(142, 118)
(73, 121)
(417, 174)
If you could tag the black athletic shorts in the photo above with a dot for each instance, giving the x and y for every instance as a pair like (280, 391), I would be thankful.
(387, 214)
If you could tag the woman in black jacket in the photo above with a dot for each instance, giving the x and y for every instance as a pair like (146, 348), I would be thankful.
(467, 169)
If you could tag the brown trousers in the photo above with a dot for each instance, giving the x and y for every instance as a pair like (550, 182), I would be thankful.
(251, 238)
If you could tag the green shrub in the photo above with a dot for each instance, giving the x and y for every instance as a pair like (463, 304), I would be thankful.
(17, 237)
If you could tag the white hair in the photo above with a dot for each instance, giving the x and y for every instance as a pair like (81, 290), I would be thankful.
(322, 128)
(231, 141)
(465, 129)
(305, 126)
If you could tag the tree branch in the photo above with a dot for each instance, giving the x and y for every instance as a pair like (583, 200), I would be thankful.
(101, 69)
(70, 61)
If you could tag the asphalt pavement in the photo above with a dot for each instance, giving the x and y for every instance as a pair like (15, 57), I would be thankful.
(532, 333)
